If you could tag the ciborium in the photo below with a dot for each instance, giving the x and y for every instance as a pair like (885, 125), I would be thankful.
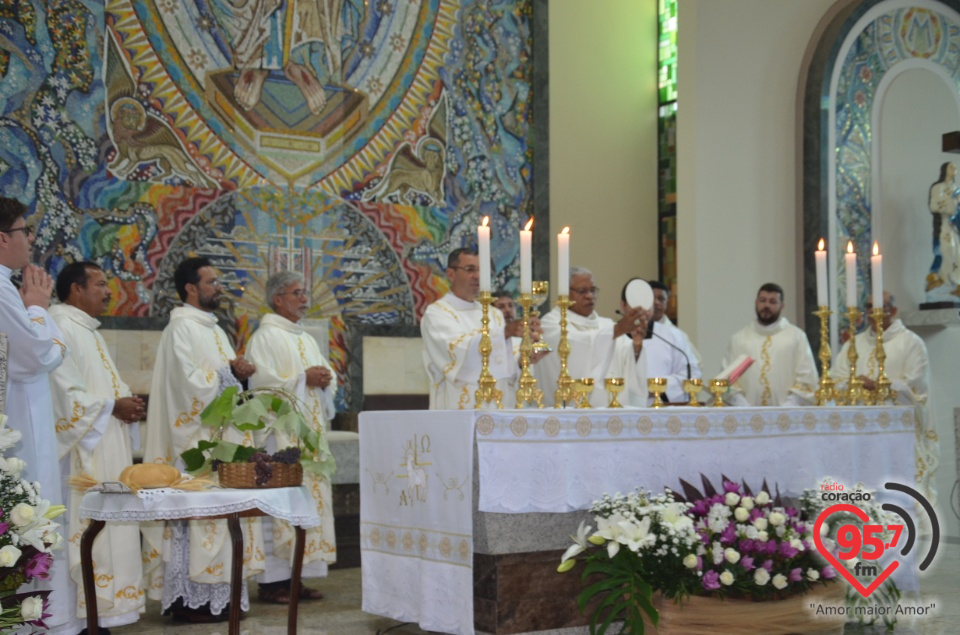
(539, 292)
(583, 387)
(718, 387)
(693, 387)
(614, 386)
(658, 386)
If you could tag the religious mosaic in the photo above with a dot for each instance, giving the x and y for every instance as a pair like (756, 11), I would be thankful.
(354, 141)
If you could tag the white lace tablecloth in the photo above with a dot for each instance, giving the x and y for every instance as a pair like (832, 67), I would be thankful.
(292, 504)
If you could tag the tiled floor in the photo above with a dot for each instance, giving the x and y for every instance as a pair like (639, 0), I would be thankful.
(339, 613)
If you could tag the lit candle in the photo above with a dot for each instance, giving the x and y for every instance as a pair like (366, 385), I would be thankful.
(526, 265)
(851, 276)
(876, 276)
(563, 262)
(821, 259)
(483, 251)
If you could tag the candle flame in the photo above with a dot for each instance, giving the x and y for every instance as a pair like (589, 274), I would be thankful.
(876, 248)
(820, 245)
(529, 225)
(566, 230)
(486, 219)
(849, 246)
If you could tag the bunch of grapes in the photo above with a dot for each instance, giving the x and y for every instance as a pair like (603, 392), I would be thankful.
(263, 468)
(289, 456)
(214, 464)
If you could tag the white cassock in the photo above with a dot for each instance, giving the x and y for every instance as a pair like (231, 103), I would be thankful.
(451, 353)
(657, 359)
(591, 352)
(908, 367)
(36, 347)
(696, 353)
(783, 371)
(282, 351)
(192, 368)
(92, 441)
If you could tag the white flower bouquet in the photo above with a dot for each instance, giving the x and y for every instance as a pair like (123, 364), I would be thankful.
(27, 536)
(730, 543)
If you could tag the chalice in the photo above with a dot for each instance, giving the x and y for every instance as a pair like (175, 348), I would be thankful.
(583, 387)
(540, 290)
(614, 386)
(718, 387)
(693, 387)
(658, 386)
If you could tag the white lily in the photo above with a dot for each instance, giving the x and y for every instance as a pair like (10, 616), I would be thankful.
(636, 535)
(580, 542)
(610, 530)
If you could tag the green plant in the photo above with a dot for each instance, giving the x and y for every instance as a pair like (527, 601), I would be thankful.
(252, 410)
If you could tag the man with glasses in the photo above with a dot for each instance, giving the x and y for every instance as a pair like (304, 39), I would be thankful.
(289, 358)
(35, 348)
(908, 367)
(592, 339)
(195, 363)
(451, 338)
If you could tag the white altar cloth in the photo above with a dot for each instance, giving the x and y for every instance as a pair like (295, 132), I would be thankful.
(417, 546)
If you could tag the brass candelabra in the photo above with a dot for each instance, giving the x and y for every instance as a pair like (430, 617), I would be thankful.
(854, 393)
(883, 391)
(827, 391)
(487, 391)
(527, 392)
(565, 390)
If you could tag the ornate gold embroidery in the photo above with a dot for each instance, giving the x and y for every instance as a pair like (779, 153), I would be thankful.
(766, 395)
(103, 580)
(129, 593)
(114, 380)
(79, 412)
(63, 347)
(223, 356)
(39, 320)
(196, 407)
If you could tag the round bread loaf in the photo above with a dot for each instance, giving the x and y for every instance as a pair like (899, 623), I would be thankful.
(149, 475)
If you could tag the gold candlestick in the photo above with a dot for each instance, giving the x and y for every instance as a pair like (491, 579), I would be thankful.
(693, 387)
(718, 387)
(658, 386)
(614, 386)
(539, 292)
(487, 391)
(527, 391)
(565, 390)
(854, 393)
(883, 391)
(827, 391)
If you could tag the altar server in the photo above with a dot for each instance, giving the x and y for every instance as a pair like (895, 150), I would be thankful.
(783, 372)
(907, 365)
(195, 363)
(35, 348)
(287, 357)
(93, 410)
(661, 298)
(591, 338)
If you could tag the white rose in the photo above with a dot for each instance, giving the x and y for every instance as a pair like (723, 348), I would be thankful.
(762, 535)
(54, 540)
(797, 544)
(760, 523)
(824, 530)
(777, 519)
(780, 581)
(813, 575)
(726, 578)
(747, 503)
(9, 556)
(732, 498)
(741, 514)
(732, 555)
(690, 561)
(761, 577)
(762, 498)
(23, 515)
(31, 609)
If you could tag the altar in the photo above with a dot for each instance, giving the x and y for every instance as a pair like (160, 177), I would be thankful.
(463, 513)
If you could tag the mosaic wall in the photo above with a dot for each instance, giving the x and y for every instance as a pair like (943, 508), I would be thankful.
(356, 141)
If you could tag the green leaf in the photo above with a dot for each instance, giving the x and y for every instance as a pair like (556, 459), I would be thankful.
(193, 459)
(250, 415)
(220, 409)
(225, 451)
(244, 453)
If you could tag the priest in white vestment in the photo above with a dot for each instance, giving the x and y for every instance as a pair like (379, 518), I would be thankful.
(641, 354)
(907, 365)
(289, 358)
(783, 371)
(661, 298)
(592, 340)
(94, 410)
(35, 347)
(450, 328)
(195, 363)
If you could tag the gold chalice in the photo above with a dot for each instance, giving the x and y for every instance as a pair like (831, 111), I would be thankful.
(540, 290)
(614, 386)
(583, 387)
(718, 387)
(658, 386)
(693, 387)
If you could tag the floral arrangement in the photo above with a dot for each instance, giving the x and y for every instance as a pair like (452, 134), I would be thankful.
(813, 504)
(728, 543)
(27, 536)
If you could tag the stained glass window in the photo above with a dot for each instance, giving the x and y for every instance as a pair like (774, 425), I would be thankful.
(667, 148)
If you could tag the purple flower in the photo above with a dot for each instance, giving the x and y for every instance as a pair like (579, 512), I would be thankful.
(711, 581)
(828, 573)
(729, 534)
(796, 575)
(730, 486)
(755, 513)
(768, 565)
(717, 498)
(3, 526)
(747, 563)
(699, 563)
(701, 507)
(38, 566)
(704, 536)
(746, 545)
(790, 512)
(771, 546)
(787, 551)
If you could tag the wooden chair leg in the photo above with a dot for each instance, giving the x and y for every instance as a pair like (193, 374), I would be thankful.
(86, 569)
(295, 579)
(236, 572)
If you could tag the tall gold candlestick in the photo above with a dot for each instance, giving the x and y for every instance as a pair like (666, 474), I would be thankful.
(883, 391)
(528, 391)
(854, 393)
(827, 392)
(487, 391)
(565, 391)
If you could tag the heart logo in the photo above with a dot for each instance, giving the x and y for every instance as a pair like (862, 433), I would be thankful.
(841, 569)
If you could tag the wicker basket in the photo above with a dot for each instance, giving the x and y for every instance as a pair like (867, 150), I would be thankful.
(244, 476)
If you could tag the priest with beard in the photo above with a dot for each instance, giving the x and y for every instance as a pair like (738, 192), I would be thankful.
(783, 372)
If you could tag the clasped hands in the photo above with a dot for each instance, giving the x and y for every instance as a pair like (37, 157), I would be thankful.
(318, 376)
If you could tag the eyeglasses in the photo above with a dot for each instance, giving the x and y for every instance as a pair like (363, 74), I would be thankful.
(469, 269)
(586, 290)
(26, 229)
(299, 293)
